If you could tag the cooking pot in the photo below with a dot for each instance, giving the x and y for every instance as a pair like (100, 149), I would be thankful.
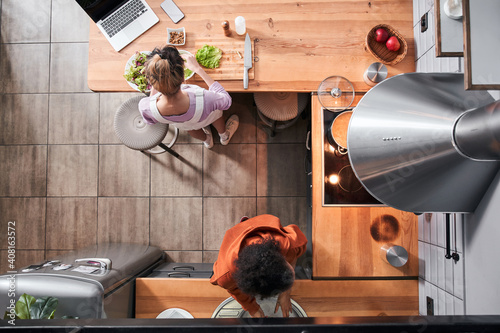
(337, 131)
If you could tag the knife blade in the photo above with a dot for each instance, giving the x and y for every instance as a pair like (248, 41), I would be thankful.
(247, 62)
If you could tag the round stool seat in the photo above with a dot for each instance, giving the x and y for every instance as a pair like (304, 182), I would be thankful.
(133, 131)
(280, 106)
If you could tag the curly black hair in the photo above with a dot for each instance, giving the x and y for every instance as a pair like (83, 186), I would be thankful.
(261, 269)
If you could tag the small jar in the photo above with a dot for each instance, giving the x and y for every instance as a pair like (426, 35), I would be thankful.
(239, 25)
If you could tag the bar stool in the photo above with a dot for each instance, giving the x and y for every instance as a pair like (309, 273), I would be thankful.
(136, 134)
(279, 110)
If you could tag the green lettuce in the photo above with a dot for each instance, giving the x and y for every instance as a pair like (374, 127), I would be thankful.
(209, 56)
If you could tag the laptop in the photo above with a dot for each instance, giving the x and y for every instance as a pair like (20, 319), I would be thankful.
(120, 21)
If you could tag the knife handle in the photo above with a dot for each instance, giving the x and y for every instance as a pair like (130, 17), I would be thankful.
(245, 78)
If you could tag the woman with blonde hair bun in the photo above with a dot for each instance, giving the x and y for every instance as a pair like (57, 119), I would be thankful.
(186, 106)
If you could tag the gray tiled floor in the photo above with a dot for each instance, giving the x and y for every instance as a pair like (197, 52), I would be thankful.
(68, 182)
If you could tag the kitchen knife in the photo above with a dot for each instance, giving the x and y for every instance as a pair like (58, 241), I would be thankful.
(247, 61)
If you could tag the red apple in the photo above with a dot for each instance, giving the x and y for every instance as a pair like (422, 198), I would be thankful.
(393, 44)
(381, 35)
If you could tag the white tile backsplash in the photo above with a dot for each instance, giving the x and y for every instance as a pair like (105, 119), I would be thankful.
(427, 226)
(434, 229)
(459, 224)
(427, 261)
(425, 52)
(441, 230)
(458, 306)
(441, 276)
(441, 302)
(421, 260)
(423, 65)
(416, 12)
(416, 41)
(429, 33)
(428, 5)
(422, 305)
(433, 274)
(450, 302)
(420, 220)
(448, 273)
(434, 296)
(458, 278)
(428, 293)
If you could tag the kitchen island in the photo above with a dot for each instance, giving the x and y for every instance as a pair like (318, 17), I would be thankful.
(297, 44)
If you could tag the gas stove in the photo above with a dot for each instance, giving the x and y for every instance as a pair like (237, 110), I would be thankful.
(341, 187)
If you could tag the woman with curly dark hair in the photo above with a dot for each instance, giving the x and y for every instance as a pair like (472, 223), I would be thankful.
(257, 260)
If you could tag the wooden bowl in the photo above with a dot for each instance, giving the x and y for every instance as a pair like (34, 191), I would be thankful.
(380, 51)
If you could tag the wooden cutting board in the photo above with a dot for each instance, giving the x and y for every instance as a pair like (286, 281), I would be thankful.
(231, 64)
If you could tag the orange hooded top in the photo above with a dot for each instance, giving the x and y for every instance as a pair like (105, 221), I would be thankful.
(291, 239)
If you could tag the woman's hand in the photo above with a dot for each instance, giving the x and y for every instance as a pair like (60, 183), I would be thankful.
(191, 62)
(258, 314)
(285, 303)
(193, 65)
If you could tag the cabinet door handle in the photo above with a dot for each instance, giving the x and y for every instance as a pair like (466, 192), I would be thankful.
(179, 274)
(187, 268)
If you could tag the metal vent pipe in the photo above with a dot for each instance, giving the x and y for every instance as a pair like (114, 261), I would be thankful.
(477, 132)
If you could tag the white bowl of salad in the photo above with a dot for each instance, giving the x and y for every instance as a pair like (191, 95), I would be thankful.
(187, 72)
(134, 71)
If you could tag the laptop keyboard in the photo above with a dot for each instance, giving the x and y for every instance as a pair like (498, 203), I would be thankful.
(123, 17)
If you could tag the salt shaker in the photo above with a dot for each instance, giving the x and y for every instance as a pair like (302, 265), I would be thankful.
(225, 27)
(239, 25)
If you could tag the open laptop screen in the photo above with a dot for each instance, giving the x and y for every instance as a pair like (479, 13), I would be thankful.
(99, 9)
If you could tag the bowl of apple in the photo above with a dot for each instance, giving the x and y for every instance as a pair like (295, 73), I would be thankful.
(386, 44)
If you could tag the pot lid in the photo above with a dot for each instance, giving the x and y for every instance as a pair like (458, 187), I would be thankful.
(336, 93)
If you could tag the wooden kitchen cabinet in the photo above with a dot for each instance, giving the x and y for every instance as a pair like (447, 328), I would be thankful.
(318, 298)
(343, 245)
(345, 241)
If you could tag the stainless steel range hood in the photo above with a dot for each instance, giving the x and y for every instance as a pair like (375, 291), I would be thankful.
(419, 142)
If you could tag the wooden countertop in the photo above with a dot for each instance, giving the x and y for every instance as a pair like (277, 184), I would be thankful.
(298, 44)
(317, 298)
(343, 245)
